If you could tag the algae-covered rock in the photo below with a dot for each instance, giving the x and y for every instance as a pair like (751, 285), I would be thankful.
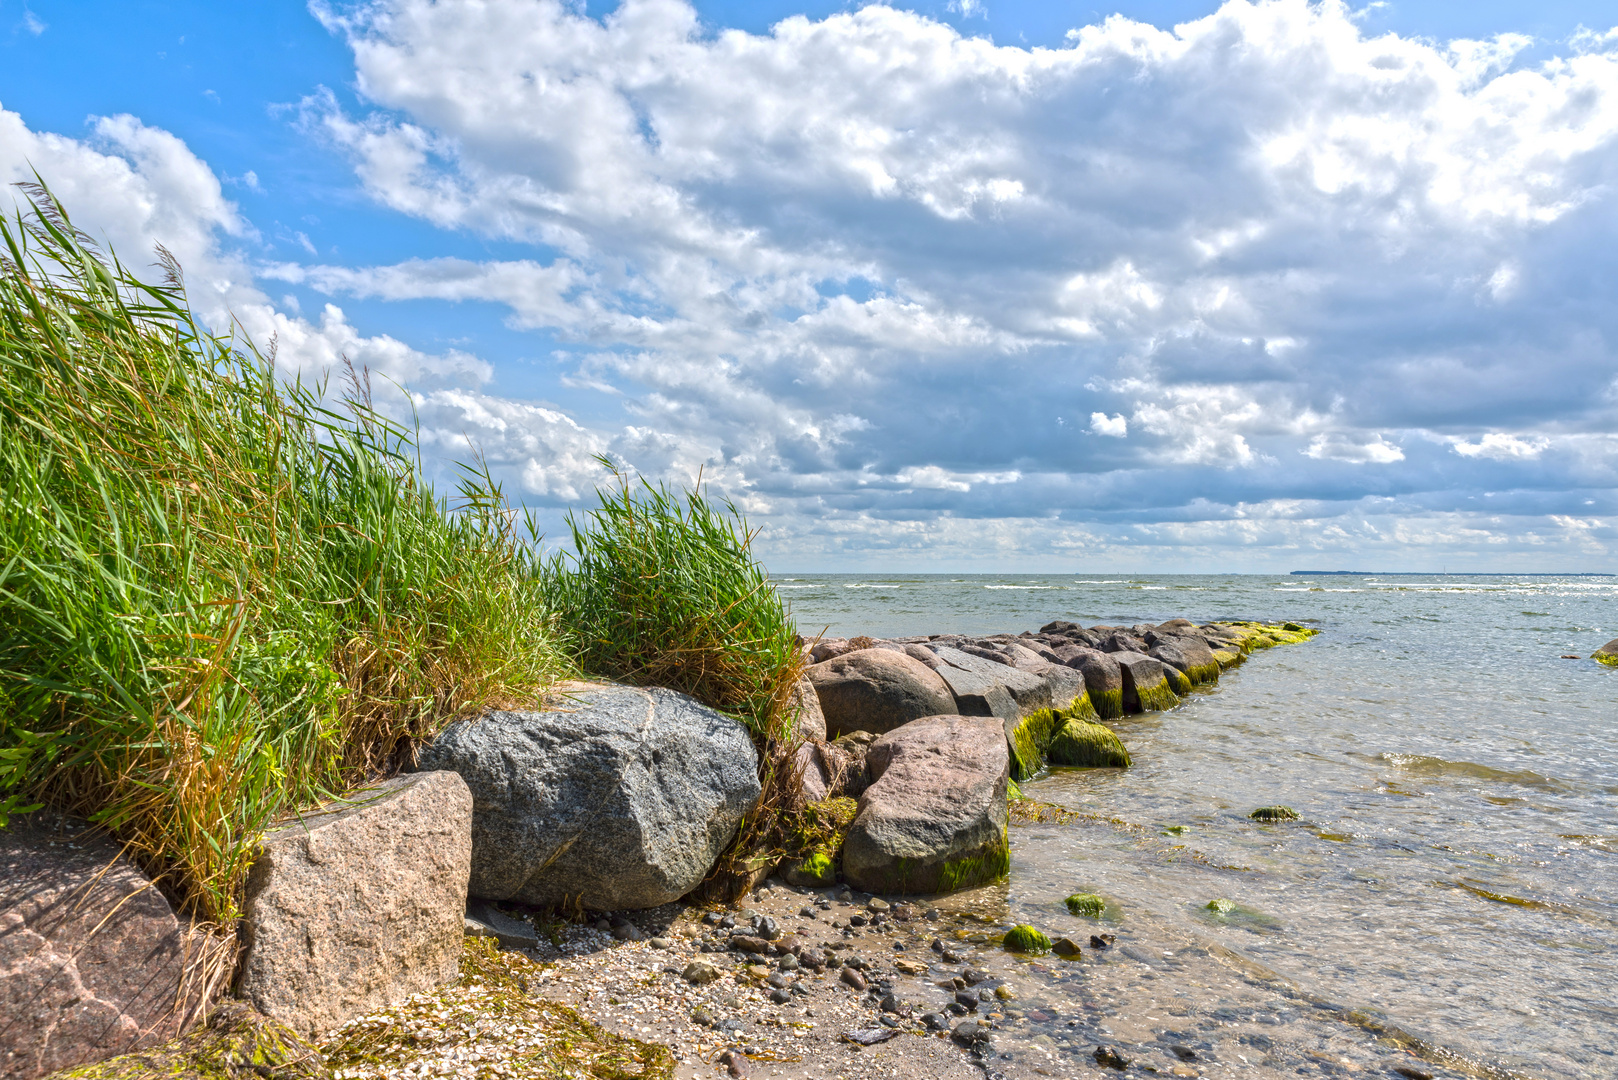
(1607, 654)
(1184, 650)
(1025, 939)
(1178, 682)
(1146, 688)
(1220, 906)
(238, 1043)
(1086, 905)
(1104, 680)
(1274, 813)
(1081, 708)
(1092, 746)
(1028, 739)
(816, 871)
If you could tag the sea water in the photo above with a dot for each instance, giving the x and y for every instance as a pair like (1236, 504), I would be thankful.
(1451, 887)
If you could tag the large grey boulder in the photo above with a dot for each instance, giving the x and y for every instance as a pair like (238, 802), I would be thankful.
(983, 687)
(619, 799)
(359, 906)
(1146, 688)
(877, 690)
(934, 817)
(93, 961)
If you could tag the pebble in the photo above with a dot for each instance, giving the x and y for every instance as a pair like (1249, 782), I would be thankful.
(1112, 1059)
(660, 943)
(853, 978)
(878, 904)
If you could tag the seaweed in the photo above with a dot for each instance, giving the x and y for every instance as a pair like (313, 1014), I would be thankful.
(1089, 746)
(1025, 939)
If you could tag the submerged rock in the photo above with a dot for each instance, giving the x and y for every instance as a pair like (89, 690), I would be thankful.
(934, 817)
(1087, 905)
(1025, 939)
(1146, 688)
(1088, 745)
(1274, 813)
(877, 690)
(358, 906)
(1607, 654)
(621, 799)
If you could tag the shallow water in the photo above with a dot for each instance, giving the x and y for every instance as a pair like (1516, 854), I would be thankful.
(1455, 870)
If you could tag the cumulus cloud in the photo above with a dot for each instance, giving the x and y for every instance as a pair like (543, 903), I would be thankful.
(866, 271)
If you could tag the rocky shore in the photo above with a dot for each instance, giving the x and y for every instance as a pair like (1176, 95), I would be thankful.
(569, 836)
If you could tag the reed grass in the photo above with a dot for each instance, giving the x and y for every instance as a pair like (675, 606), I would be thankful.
(222, 597)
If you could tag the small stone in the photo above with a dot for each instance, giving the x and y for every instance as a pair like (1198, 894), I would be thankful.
(727, 923)
(853, 978)
(749, 944)
(732, 1060)
(757, 971)
(878, 904)
(1411, 1073)
(788, 963)
(780, 997)
(1066, 947)
(955, 1008)
(934, 1021)
(777, 980)
(968, 1032)
(937, 945)
(711, 918)
(973, 976)
(766, 927)
(1220, 906)
(806, 912)
(890, 1003)
(966, 1000)
(1005, 993)
(1183, 1070)
(888, 1021)
(985, 994)
(1184, 1053)
(911, 967)
(933, 914)
(1110, 1058)
(699, 973)
(628, 932)
(660, 943)
(857, 920)
(1101, 941)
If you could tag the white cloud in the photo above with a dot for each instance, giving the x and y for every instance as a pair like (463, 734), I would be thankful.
(1499, 446)
(1356, 450)
(1102, 424)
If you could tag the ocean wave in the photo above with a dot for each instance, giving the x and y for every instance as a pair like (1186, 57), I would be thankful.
(1022, 586)
(866, 585)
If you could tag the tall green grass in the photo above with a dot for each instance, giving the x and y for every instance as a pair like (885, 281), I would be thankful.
(662, 589)
(220, 597)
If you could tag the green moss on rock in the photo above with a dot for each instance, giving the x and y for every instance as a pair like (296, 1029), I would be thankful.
(1025, 939)
(990, 863)
(817, 870)
(1108, 704)
(1159, 698)
(237, 1044)
(1028, 741)
(1080, 708)
(1088, 745)
(1220, 906)
(1602, 656)
(1178, 680)
(1086, 905)
(1274, 813)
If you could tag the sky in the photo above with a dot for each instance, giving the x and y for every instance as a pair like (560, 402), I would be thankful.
(973, 286)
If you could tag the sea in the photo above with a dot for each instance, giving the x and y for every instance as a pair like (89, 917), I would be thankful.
(1447, 901)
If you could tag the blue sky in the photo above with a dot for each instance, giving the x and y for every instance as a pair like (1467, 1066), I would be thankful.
(961, 286)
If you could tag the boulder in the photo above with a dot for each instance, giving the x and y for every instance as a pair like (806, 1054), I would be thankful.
(934, 817)
(828, 649)
(988, 688)
(620, 799)
(360, 905)
(1607, 654)
(922, 653)
(805, 704)
(1081, 743)
(93, 961)
(1123, 641)
(845, 763)
(237, 1043)
(814, 776)
(1146, 689)
(877, 690)
(1186, 652)
(1104, 679)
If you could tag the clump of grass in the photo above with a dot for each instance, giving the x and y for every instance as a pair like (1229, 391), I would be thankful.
(662, 589)
(221, 597)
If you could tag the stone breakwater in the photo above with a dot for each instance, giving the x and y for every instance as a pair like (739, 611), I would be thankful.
(916, 741)
(612, 800)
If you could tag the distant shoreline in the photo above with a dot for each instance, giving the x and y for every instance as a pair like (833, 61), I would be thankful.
(1440, 573)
